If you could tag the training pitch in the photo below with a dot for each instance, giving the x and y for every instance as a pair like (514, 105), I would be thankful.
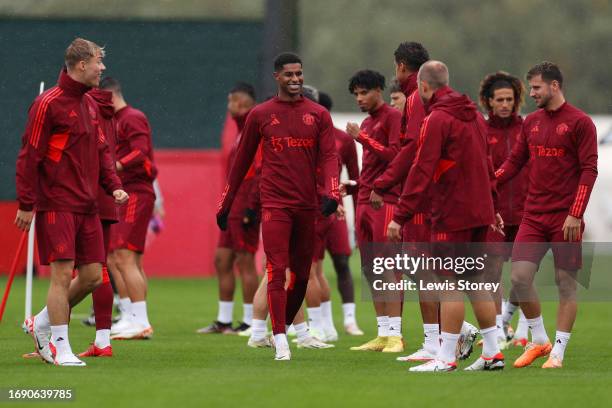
(181, 368)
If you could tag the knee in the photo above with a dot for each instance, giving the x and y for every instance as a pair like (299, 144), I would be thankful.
(222, 263)
(341, 266)
(122, 259)
(246, 263)
(566, 286)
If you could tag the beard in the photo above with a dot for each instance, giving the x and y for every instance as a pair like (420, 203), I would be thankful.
(543, 101)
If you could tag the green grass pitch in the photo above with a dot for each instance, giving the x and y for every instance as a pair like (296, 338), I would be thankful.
(181, 368)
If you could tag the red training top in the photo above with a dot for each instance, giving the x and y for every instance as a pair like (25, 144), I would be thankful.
(453, 154)
(380, 137)
(135, 150)
(561, 148)
(64, 156)
(296, 137)
(397, 171)
(347, 153)
(247, 195)
(107, 125)
(503, 135)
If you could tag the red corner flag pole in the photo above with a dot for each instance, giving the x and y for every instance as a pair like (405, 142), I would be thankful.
(12, 272)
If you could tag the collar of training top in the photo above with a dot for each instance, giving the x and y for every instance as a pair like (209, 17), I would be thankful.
(71, 86)
(410, 85)
(500, 123)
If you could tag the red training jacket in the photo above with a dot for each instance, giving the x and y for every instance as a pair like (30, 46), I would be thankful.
(135, 150)
(561, 148)
(347, 154)
(296, 137)
(64, 156)
(503, 135)
(453, 158)
(104, 103)
(380, 137)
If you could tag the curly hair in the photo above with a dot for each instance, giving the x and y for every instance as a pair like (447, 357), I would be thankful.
(501, 80)
(366, 79)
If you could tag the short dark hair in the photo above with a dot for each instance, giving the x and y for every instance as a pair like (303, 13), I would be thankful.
(395, 86)
(366, 79)
(245, 88)
(285, 58)
(111, 84)
(549, 72)
(412, 54)
(326, 101)
(501, 80)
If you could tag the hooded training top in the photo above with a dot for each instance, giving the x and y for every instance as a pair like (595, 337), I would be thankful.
(135, 150)
(380, 137)
(453, 158)
(104, 102)
(503, 135)
(561, 148)
(296, 137)
(398, 169)
(64, 155)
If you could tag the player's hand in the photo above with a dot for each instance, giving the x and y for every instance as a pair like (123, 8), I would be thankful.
(23, 220)
(328, 206)
(376, 201)
(340, 213)
(353, 130)
(120, 196)
(249, 218)
(394, 231)
(571, 229)
(499, 224)
(222, 221)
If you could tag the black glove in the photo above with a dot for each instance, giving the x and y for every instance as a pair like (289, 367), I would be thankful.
(222, 221)
(328, 206)
(249, 218)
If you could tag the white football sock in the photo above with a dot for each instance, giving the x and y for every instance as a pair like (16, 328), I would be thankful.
(102, 338)
(508, 312)
(280, 340)
(326, 315)
(448, 347)
(226, 311)
(538, 332)
(247, 313)
(383, 325)
(41, 320)
(500, 327)
(125, 307)
(561, 340)
(522, 329)
(489, 341)
(395, 326)
(258, 329)
(314, 318)
(139, 313)
(301, 331)
(59, 338)
(348, 309)
(432, 338)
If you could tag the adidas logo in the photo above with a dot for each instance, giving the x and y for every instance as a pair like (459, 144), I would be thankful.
(72, 114)
(558, 341)
(59, 339)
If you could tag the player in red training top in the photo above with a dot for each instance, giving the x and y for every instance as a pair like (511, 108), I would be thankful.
(136, 168)
(239, 242)
(453, 158)
(103, 295)
(379, 135)
(501, 95)
(397, 97)
(337, 237)
(559, 142)
(63, 159)
(297, 138)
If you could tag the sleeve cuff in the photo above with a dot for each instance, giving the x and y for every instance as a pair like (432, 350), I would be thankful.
(400, 218)
(26, 207)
